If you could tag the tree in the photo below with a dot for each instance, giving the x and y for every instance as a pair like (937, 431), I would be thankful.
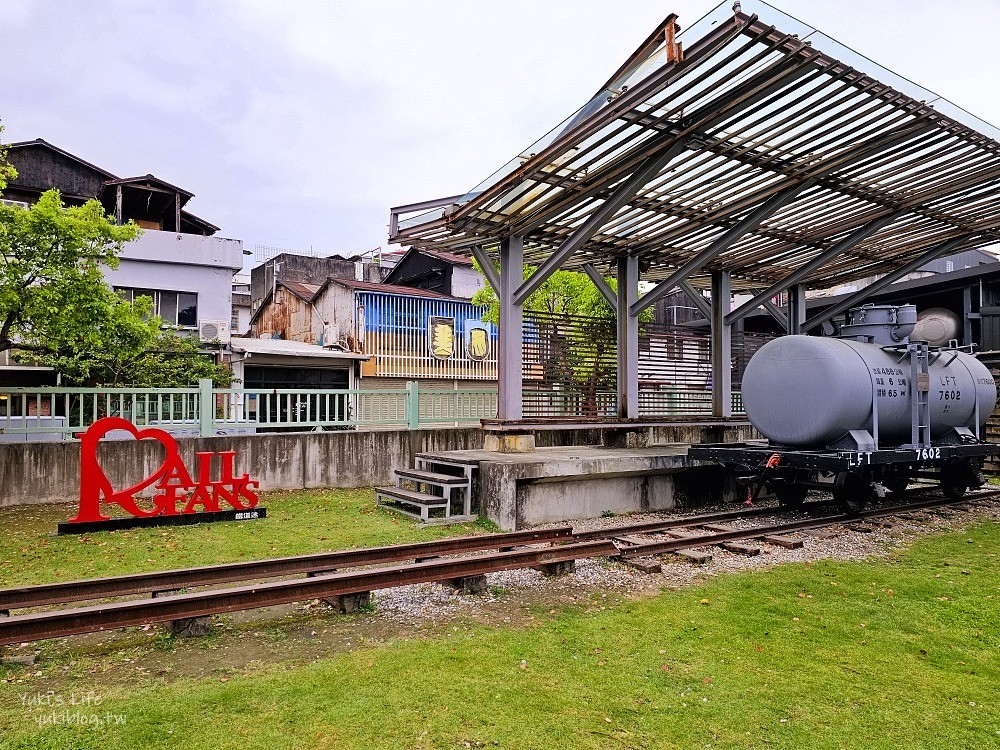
(135, 350)
(578, 328)
(56, 308)
(7, 171)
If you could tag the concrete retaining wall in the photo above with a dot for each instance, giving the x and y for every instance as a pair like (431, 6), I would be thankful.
(50, 472)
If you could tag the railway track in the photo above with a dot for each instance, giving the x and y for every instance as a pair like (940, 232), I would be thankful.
(349, 572)
(630, 546)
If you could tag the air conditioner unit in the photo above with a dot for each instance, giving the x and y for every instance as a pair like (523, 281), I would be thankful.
(214, 330)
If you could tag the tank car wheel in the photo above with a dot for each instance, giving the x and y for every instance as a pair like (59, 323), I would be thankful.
(852, 491)
(957, 477)
(953, 491)
(790, 495)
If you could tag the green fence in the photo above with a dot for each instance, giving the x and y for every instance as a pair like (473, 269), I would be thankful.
(61, 413)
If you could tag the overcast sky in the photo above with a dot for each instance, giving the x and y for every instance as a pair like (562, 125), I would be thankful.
(299, 124)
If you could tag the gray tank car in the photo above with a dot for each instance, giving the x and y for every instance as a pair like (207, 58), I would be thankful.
(863, 413)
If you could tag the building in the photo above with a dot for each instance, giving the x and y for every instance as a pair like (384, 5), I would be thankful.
(403, 333)
(437, 271)
(177, 261)
(307, 269)
(957, 262)
(242, 305)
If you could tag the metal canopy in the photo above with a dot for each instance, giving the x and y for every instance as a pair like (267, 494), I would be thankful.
(769, 152)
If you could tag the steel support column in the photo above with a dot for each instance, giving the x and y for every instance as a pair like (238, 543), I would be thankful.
(722, 346)
(967, 315)
(511, 324)
(796, 309)
(628, 338)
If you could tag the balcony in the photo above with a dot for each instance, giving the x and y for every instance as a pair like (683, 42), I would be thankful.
(155, 246)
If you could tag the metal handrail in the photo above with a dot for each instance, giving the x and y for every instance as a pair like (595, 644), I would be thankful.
(63, 412)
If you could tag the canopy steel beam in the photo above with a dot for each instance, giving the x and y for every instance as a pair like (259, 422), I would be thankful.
(607, 113)
(736, 101)
(747, 224)
(602, 286)
(622, 194)
(858, 235)
(864, 293)
(511, 329)
(410, 208)
(487, 268)
(776, 313)
(858, 152)
(703, 305)
(628, 338)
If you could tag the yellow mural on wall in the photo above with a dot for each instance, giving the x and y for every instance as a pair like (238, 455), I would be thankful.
(477, 344)
(442, 333)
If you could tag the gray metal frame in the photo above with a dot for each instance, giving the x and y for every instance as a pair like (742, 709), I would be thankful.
(750, 161)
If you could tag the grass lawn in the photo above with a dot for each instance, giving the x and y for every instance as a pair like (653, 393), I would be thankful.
(902, 652)
(297, 522)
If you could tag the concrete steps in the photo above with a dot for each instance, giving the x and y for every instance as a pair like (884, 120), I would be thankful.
(436, 491)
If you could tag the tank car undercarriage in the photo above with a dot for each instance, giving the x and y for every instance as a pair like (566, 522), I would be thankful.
(854, 478)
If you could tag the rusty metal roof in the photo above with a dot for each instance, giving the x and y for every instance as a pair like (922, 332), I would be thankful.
(766, 124)
(371, 286)
(305, 292)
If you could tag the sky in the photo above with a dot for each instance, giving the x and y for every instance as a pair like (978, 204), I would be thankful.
(297, 125)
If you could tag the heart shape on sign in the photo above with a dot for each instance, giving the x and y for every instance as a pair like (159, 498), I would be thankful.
(94, 483)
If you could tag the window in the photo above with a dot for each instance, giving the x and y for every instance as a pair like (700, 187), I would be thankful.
(176, 308)
(16, 204)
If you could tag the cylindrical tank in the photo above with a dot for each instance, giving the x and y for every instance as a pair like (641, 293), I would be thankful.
(880, 324)
(808, 391)
(937, 326)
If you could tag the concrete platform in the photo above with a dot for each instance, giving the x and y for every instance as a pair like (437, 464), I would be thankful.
(516, 490)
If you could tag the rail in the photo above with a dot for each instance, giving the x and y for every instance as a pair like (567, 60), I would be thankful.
(337, 573)
(64, 622)
(320, 562)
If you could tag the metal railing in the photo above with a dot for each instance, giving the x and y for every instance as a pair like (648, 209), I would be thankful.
(61, 413)
(47, 413)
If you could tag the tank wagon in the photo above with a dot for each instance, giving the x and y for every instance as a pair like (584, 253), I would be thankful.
(862, 414)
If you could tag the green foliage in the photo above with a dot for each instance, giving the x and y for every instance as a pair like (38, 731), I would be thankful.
(57, 310)
(578, 350)
(51, 258)
(7, 171)
(897, 652)
(563, 293)
(130, 346)
(299, 522)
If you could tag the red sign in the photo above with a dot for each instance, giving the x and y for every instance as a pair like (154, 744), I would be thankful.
(179, 493)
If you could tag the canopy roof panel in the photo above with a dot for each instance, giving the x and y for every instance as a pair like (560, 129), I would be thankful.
(758, 148)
